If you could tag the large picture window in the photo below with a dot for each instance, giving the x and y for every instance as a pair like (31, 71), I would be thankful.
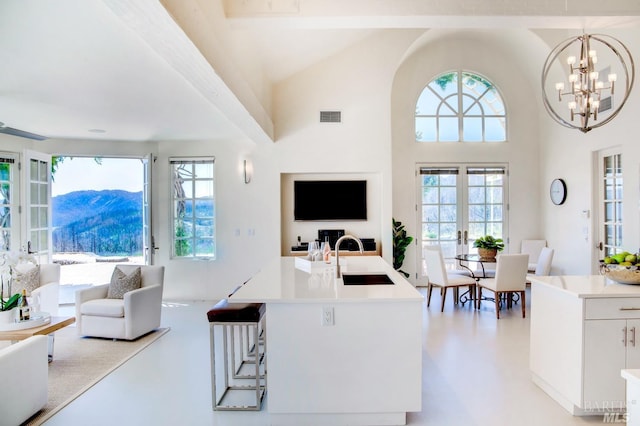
(193, 208)
(460, 106)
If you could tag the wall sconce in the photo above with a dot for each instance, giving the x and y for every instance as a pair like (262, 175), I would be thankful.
(247, 168)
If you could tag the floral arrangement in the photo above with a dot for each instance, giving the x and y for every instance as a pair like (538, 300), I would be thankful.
(9, 260)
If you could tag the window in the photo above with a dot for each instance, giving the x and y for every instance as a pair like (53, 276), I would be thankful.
(8, 201)
(193, 208)
(460, 106)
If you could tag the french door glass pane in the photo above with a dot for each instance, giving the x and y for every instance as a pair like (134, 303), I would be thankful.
(612, 190)
(7, 169)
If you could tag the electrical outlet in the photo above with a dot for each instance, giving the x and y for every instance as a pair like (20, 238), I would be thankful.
(327, 316)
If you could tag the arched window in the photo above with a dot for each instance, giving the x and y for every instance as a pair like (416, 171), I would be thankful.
(460, 106)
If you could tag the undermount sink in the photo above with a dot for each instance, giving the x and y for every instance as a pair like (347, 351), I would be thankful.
(366, 279)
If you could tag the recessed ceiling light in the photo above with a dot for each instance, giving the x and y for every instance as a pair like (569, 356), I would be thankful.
(97, 131)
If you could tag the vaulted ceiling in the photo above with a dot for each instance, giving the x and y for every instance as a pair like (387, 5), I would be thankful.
(203, 69)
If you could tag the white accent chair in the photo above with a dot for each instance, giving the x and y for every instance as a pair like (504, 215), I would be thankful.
(533, 249)
(511, 277)
(438, 276)
(25, 372)
(47, 296)
(138, 313)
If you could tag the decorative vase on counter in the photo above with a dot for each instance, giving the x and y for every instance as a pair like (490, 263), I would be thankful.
(9, 316)
(487, 254)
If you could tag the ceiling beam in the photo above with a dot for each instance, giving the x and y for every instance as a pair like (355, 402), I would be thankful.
(152, 22)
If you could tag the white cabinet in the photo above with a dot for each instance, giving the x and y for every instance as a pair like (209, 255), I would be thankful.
(584, 331)
(609, 347)
(611, 333)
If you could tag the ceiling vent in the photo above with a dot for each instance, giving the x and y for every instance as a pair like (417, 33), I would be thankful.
(330, 117)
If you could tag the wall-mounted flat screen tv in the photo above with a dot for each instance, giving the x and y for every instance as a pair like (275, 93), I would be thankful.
(330, 200)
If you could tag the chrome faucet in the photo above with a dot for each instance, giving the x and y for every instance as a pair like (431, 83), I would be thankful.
(344, 237)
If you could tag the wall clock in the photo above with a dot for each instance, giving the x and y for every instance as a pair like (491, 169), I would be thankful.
(558, 191)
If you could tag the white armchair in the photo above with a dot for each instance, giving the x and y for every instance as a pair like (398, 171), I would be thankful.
(47, 296)
(43, 289)
(25, 372)
(137, 313)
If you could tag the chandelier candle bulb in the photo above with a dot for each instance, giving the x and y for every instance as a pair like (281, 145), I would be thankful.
(587, 90)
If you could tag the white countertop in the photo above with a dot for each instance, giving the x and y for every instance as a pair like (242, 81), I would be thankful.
(281, 282)
(587, 286)
(631, 375)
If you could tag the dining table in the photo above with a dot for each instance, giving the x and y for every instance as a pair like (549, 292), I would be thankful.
(465, 259)
(477, 274)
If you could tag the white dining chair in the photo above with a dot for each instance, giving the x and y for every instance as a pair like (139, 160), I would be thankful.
(511, 277)
(439, 277)
(533, 249)
(543, 267)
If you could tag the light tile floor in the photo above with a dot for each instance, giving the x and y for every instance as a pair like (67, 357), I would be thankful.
(475, 372)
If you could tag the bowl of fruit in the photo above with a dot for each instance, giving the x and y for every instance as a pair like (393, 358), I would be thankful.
(623, 268)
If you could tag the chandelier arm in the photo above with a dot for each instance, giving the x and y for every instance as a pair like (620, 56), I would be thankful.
(546, 68)
(586, 114)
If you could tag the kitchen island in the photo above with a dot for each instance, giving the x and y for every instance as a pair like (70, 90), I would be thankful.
(584, 331)
(339, 354)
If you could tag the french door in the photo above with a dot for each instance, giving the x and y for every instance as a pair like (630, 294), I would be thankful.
(9, 201)
(147, 217)
(610, 196)
(459, 203)
(37, 200)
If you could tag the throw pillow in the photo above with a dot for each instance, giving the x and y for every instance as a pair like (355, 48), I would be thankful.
(28, 280)
(122, 283)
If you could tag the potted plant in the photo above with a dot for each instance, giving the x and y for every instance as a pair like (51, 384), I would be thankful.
(488, 247)
(400, 243)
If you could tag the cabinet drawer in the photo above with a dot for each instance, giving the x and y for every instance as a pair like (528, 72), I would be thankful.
(615, 307)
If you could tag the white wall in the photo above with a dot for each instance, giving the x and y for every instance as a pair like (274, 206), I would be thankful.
(487, 55)
(308, 230)
(568, 154)
(356, 82)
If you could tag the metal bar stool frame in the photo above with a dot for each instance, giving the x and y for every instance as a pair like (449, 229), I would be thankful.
(228, 328)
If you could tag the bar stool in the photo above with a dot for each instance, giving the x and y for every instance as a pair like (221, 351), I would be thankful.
(236, 319)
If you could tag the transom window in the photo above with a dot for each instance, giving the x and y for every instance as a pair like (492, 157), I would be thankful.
(193, 211)
(460, 106)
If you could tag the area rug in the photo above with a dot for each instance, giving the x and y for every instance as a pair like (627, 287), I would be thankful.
(81, 362)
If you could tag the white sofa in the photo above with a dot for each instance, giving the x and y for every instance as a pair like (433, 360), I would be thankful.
(25, 372)
(128, 318)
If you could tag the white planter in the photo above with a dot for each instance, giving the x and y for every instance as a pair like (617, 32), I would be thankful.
(8, 316)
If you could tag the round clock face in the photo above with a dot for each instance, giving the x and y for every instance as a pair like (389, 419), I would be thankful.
(558, 191)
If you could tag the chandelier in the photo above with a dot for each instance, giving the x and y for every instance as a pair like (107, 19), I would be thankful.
(588, 95)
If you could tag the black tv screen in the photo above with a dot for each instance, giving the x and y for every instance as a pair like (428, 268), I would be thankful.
(330, 200)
